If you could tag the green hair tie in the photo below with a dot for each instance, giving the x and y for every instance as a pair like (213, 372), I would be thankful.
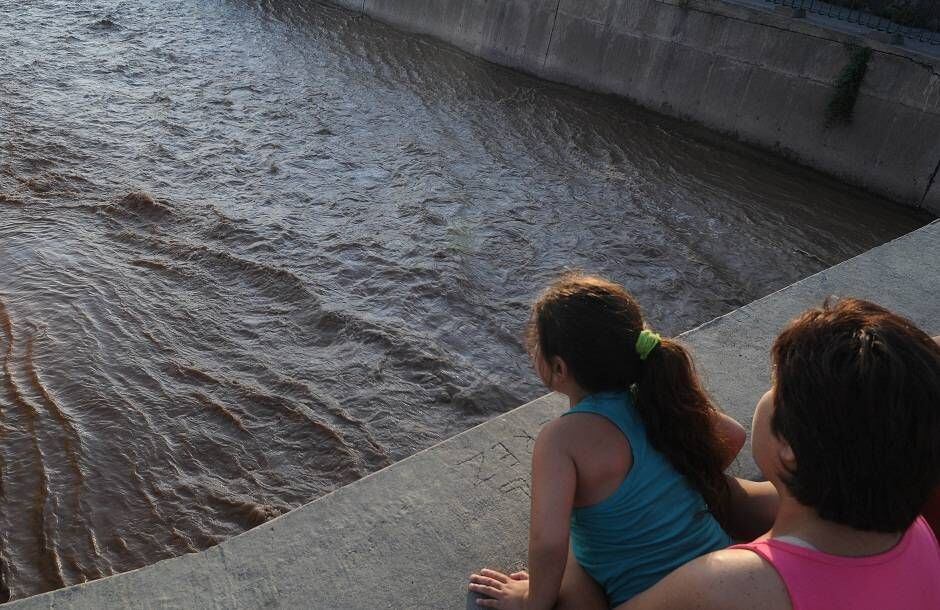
(646, 342)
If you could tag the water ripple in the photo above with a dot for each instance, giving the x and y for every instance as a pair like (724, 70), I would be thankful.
(253, 250)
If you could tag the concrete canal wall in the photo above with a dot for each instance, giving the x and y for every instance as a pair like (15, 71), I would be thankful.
(762, 78)
(409, 535)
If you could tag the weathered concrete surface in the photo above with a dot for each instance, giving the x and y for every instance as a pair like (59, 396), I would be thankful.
(409, 535)
(762, 78)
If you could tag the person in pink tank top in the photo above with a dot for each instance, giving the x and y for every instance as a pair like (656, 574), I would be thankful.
(849, 437)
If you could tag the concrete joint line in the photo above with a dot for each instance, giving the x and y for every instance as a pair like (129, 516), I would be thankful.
(922, 64)
(551, 35)
(933, 178)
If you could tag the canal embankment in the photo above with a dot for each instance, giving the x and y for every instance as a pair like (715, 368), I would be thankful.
(408, 536)
(765, 79)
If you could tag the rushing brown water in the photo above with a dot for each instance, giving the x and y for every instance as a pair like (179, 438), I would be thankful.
(250, 252)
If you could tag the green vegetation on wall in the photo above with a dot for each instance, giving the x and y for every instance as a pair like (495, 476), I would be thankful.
(842, 105)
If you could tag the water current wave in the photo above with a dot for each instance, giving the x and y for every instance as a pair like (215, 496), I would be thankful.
(253, 251)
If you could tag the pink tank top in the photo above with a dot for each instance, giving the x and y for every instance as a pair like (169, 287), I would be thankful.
(907, 576)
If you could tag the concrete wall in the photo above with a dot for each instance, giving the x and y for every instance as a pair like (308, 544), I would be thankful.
(408, 536)
(761, 78)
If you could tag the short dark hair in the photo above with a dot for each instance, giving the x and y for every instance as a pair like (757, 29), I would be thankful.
(857, 397)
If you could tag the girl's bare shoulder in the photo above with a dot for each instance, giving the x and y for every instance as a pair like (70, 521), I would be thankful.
(728, 579)
(558, 434)
(580, 429)
(601, 454)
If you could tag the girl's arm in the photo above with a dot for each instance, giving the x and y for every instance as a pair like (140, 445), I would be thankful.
(735, 436)
(753, 508)
(753, 504)
(554, 480)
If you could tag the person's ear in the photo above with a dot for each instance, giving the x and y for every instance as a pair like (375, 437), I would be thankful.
(787, 457)
(559, 369)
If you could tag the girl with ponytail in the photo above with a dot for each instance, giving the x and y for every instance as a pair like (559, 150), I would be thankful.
(633, 474)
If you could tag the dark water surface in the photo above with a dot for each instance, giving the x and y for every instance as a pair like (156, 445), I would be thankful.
(250, 252)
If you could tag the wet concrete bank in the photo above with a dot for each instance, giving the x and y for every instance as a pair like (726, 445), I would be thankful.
(765, 79)
(408, 536)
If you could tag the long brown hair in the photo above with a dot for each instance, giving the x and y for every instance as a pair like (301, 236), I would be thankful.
(593, 324)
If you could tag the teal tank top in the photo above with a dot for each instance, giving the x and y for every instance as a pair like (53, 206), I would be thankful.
(652, 524)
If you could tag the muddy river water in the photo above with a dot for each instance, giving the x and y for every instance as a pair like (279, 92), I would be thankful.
(253, 251)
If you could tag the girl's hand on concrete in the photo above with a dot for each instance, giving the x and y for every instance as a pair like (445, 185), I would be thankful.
(507, 592)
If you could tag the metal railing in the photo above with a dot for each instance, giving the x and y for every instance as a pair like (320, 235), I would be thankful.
(863, 19)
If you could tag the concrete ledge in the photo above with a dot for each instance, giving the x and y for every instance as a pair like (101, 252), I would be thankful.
(408, 536)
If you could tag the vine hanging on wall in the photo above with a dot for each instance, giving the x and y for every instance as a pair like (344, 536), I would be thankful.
(842, 105)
